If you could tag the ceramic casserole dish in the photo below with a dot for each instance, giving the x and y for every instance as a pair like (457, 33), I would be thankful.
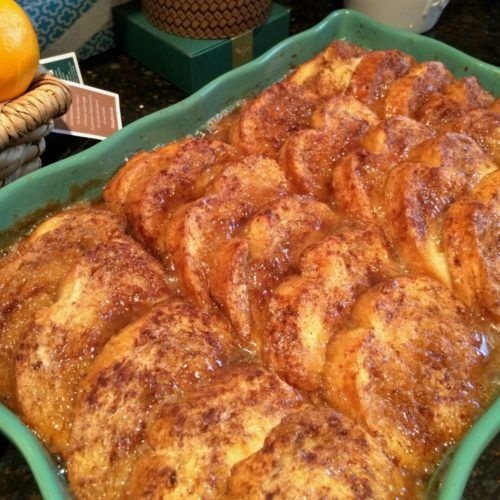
(82, 177)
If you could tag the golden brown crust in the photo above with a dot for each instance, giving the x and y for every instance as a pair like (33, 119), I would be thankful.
(468, 93)
(438, 110)
(304, 311)
(153, 198)
(330, 72)
(197, 229)
(317, 453)
(471, 240)
(358, 179)
(375, 73)
(309, 156)
(229, 282)
(346, 113)
(410, 91)
(136, 169)
(245, 269)
(30, 275)
(266, 121)
(149, 364)
(406, 369)
(151, 184)
(482, 125)
(454, 100)
(107, 288)
(192, 448)
(417, 193)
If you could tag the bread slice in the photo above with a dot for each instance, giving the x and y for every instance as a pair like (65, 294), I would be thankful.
(108, 287)
(198, 228)
(317, 453)
(151, 363)
(307, 309)
(406, 369)
(418, 193)
(192, 448)
(471, 238)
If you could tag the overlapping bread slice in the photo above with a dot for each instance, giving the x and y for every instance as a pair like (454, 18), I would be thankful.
(358, 179)
(108, 286)
(483, 125)
(410, 91)
(330, 72)
(192, 448)
(267, 120)
(375, 72)
(155, 361)
(198, 228)
(136, 169)
(455, 99)
(245, 269)
(309, 155)
(30, 275)
(406, 369)
(471, 239)
(306, 309)
(151, 185)
(317, 453)
(417, 193)
(346, 68)
(286, 107)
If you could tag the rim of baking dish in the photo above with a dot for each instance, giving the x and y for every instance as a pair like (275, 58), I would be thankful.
(452, 475)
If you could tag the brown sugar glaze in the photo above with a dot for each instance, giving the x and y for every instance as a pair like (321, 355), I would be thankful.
(266, 281)
(265, 277)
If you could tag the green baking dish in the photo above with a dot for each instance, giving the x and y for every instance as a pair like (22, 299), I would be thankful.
(83, 176)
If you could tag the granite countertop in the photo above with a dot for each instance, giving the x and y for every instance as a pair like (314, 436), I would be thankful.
(470, 26)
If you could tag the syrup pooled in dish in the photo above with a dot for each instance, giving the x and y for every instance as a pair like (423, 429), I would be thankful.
(303, 301)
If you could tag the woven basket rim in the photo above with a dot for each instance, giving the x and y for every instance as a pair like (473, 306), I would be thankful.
(25, 121)
(46, 98)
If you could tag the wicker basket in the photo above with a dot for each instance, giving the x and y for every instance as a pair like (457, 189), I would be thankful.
(206, 18)
(25, 121)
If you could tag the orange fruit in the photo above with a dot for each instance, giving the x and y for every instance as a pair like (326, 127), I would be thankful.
(19, 51)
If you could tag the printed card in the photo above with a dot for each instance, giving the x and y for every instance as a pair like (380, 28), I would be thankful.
(94, 113)
(64, 66)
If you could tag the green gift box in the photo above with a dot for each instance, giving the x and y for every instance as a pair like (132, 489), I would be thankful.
(190, 63)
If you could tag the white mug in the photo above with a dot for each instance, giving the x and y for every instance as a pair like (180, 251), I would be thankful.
(412, 15)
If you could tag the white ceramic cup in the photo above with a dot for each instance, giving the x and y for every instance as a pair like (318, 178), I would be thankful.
(412, 15)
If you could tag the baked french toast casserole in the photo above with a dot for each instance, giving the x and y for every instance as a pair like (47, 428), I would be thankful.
(301, 302)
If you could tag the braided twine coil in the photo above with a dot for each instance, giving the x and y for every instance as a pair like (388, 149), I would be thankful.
(206, 18)
(25, 121)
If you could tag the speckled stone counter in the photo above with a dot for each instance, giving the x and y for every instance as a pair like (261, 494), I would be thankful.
(470, 26)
